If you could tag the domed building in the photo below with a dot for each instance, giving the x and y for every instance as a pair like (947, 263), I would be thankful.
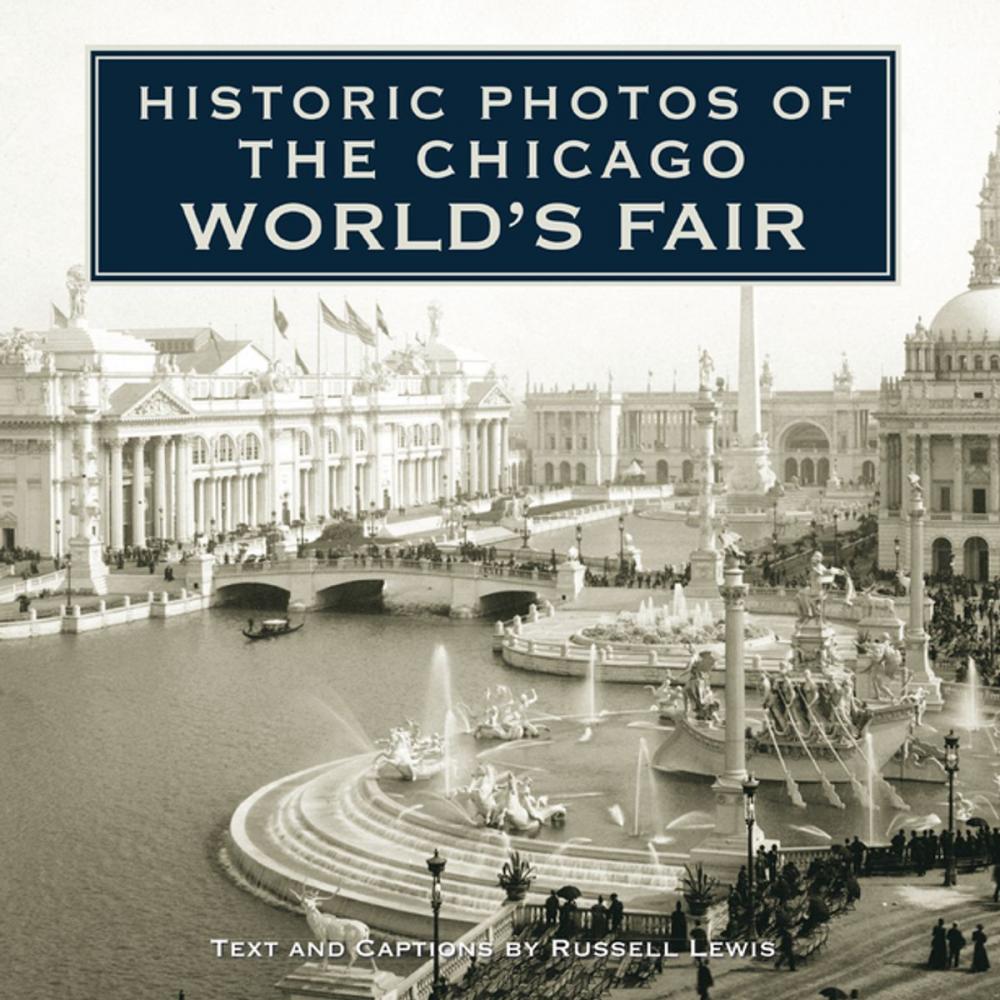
(118, 438)
(941, 419)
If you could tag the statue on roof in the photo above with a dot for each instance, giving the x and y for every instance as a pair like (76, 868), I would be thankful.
(434, 313)
(78, 286)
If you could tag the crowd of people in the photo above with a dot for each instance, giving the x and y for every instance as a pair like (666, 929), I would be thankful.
(966, 624)
(627, 575)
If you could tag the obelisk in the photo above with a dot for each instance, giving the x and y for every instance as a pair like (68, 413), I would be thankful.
(748, 464)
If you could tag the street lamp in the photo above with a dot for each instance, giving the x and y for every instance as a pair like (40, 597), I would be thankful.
(621, 540)
(357, 501)
(435, 865)
(750, 786)
(951, 769)
(163, 525)
(302, 528)
(579, 542)
(836, 542)
(895, 548)
(58, 543)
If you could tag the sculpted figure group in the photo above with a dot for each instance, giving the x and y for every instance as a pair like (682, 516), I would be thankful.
(507, 802)
(812, 706)
(411, 754)
(504, 717)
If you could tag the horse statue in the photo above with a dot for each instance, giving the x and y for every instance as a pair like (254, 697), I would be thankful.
(412, 755)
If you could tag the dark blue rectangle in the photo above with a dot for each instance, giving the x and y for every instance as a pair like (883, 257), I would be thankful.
(839, 172)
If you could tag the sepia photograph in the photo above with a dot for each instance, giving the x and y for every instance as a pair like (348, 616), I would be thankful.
(499, 501)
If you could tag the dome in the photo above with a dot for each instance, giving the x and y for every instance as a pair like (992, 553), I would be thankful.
(79, 344)
(971, 314)
(448, 359)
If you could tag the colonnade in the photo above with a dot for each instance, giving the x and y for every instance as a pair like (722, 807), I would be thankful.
(488, 444)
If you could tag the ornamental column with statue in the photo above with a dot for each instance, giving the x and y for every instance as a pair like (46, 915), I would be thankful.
(706, 560)
(726, 847)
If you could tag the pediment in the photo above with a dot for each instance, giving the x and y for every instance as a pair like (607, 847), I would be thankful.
(494, 397)
(158, 402)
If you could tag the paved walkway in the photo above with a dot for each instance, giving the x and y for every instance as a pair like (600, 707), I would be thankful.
(880, 950)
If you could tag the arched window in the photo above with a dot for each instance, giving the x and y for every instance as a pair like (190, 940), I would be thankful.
(305, 444)
(401, 437)
(550, 474)
(791, 469)
(994, 363)
(359, 439)
(199, 451)
(961, 362)
(250, 449)
(662, 471)
(947, 362)
(418, 436)
(977, 363)
(687, 470)
(225, 449)
(565, 474)
(435, 434)
(332, 443)
(581, 473)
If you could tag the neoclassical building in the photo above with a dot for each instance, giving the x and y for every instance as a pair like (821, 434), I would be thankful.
(941, 418)
(594, 435)
(130, 435)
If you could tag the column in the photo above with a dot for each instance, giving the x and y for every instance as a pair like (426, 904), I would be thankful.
(734, 595)
(494, 431)
(482, 429)
(182, 475)
(504, 454)
(159, 485)
(994, 505)
(322, 476)
(917, 659)
(210, 516)
(117, 512)
(170, 508)
(958, 500)
(138, 492)
(883, 469)
(241, 498)
(473, 478)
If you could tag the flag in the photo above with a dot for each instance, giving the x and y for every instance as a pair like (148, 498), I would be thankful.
(358, 326)
(330, 318)
(380, 321)
(281, 324)
(280, 320)
(59, 318)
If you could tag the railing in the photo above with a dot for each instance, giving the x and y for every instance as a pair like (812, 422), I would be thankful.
(312, 564)
(32, 585)
(634, 925)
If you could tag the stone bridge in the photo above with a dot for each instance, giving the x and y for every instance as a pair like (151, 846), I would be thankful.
(464, 589)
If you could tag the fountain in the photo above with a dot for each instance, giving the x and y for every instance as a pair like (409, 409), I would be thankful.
(591, 714)
(971, 716)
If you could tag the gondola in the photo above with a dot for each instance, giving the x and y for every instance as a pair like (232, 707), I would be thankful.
(271, 628)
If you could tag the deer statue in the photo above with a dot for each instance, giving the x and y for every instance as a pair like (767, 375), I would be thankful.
(327, 928)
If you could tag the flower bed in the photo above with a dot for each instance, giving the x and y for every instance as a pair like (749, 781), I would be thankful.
(627, 632)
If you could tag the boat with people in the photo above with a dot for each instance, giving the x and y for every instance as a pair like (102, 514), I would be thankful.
(270, 628)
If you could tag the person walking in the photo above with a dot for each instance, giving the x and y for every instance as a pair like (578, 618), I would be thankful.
(598, 919)
(786, 950)
(996, 882)
(956, 942)
(705, 981)
(939, 947)
(980, 960)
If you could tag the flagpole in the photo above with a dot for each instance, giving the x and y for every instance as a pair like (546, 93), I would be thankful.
(347, 363)
(318, 369)
(274, 328)
(378, 337)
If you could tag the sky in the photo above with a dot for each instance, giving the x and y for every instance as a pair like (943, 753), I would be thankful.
(566, 333)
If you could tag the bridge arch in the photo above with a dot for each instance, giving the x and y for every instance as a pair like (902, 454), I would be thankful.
(507, 603)
(364, 594)
(252, 594)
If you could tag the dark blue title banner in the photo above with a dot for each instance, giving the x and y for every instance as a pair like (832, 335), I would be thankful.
(549, 165)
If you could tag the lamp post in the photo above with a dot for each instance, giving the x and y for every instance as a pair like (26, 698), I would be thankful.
(895, 548)
(357, 501)
(750, 785)
(435, 865)
(579, 542)
(465, 529)
(836, 541)
(621, 541)
(302, 528)
(211, 528)
(951, 769)
(58, 543)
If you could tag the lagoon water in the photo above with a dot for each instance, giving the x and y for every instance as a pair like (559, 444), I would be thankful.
(126, 751)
